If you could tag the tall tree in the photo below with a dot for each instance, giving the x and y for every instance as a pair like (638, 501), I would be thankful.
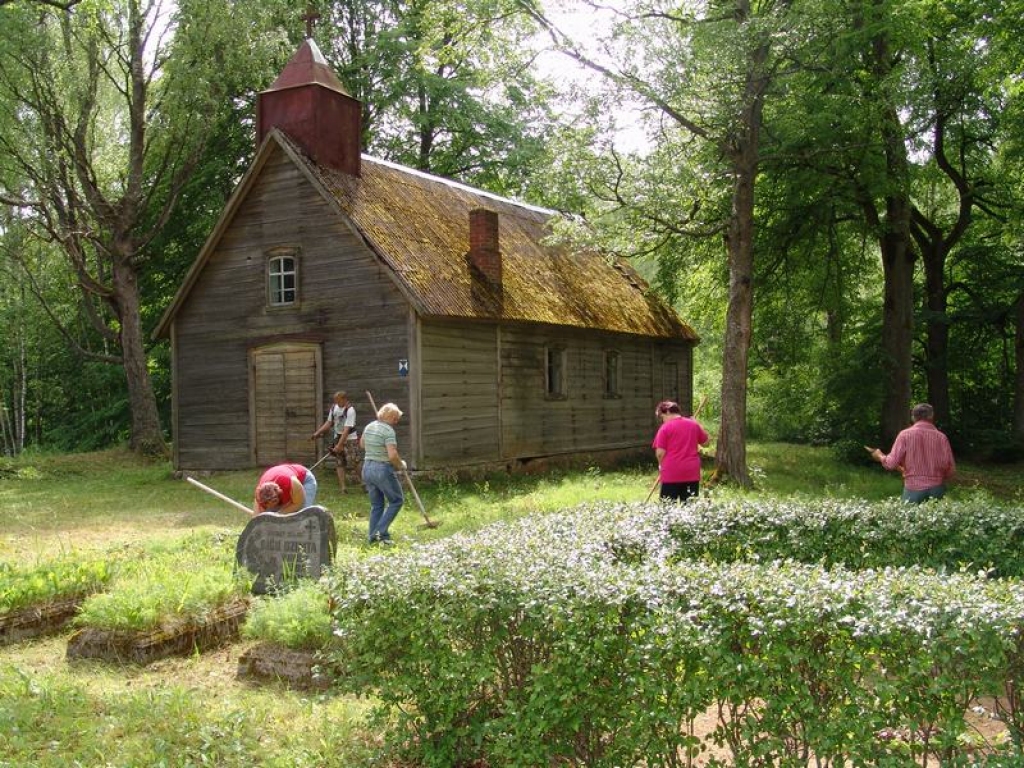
(887, 207)
(446, 85)
(894, 109)
(961, 103)
(115, 103)
(705, 71)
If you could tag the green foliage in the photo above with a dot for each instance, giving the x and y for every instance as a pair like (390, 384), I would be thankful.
(592, 638)
(90, 412)
(52, 719)
(175, 585)
(630, 660)
(299, 618)
(446, 86)
(73, 575)
(945, 536)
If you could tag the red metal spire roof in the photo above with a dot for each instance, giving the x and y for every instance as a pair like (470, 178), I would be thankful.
(308, 66)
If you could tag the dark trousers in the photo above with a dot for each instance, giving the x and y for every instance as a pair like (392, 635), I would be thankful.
(679, 491)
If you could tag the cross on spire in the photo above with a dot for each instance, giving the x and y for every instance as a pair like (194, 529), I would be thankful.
(310, 16)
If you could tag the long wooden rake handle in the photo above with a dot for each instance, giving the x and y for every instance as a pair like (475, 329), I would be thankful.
(419, 502)
(320, 461)
(219, 495)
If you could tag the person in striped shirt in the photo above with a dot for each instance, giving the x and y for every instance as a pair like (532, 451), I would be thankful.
(923, 454)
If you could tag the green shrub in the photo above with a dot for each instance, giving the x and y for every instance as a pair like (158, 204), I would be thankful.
(172, 585)
(298, 619)
(943, 535)
(851, 451)
(67, 577)
(590, 638)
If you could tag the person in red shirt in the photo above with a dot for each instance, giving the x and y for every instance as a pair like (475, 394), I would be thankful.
(675, 446)
(284, 489)
(924, 456)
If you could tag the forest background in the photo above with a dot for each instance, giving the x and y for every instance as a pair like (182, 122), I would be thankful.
(829, 191)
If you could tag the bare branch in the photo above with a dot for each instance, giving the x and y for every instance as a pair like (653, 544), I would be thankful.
(66, 6)
(567, 46)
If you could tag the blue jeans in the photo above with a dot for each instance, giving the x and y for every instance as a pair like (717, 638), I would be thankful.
(382, 485)
(309, 486)
(916, 497)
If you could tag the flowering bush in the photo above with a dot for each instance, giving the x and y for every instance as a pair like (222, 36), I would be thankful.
(600, 636)
(942, 535)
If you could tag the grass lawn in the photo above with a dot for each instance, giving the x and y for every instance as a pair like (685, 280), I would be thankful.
(193, 711)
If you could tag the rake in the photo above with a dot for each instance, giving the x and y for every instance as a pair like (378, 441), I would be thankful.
(219, 495)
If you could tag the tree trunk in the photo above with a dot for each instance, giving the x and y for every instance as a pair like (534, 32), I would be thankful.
(892, 228)
(146, 437)
(897, 320)
(898, 268)
(935, 250)
(731, 451)
(1018, 389)
(936, 331)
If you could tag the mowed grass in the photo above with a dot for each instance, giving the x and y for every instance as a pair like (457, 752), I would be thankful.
(51, 504)
(194, 711)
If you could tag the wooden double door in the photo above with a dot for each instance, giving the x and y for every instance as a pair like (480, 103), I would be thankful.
(284, 408)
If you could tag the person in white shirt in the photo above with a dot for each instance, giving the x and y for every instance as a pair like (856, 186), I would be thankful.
(344, 441)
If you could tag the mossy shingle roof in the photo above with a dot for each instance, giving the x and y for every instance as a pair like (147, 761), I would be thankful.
(419, 226)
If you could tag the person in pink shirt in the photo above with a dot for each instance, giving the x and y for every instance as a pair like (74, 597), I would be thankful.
(923, 454)
(675, 446)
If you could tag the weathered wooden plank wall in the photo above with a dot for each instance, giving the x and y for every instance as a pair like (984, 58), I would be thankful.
(484, 396)
(349, 305)
(459, 394)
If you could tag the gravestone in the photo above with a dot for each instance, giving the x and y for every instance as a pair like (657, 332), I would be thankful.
(278, 549)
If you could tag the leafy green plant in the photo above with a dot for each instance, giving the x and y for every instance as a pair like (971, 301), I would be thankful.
(49, 720)
(298, 619)
(487, 609)
(538, 641)
(945, 535)
(67, 577)
(170, 586)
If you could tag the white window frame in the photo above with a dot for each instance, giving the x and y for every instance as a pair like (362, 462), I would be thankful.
(279, 275)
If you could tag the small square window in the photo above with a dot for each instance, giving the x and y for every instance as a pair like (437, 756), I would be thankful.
(282, 280)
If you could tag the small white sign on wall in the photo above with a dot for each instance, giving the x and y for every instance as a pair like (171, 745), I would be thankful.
(403, 367)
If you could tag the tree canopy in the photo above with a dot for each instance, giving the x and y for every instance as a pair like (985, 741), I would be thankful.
(829, 192)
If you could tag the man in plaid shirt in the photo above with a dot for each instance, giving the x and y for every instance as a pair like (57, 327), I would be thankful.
(922, 453)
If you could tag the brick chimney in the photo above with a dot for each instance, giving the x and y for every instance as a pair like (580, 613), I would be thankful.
(484, 251)
(309, 103)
